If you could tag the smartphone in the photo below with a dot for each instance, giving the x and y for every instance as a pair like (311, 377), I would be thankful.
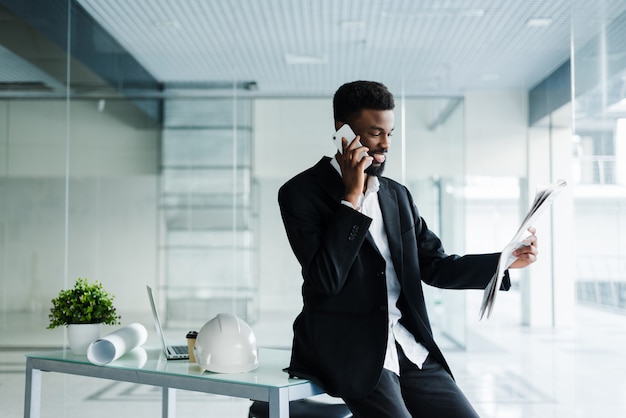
(344, 132)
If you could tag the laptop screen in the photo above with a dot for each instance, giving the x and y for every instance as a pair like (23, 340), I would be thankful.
(157, 321)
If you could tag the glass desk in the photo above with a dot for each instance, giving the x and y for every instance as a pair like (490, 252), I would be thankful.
(267, 383)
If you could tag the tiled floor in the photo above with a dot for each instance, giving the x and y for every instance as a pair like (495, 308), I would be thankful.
(508, 371)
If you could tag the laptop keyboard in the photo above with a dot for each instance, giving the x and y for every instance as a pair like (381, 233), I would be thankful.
(179, 349)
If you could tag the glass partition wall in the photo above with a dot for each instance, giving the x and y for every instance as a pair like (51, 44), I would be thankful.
(102, 176)
(583, 140)
(433, 153)
(79, 170)
(208, 214)
(599, 155)
(107, 174)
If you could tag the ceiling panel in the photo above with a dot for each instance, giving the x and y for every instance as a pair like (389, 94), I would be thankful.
(309, 47)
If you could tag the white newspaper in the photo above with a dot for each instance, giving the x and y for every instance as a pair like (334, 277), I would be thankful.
(543, 199)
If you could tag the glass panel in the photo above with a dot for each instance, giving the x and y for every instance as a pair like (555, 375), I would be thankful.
(217, 113)
(212, 147)
(103, 176)
(206, 209)
(435, 174)
(112, 202)
(599, 154)
(203, 183)
(33, 165)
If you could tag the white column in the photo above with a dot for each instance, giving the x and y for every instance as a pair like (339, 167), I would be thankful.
(620, 152)
(548, 293)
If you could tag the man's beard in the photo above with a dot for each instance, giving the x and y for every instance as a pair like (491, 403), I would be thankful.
(376, 171)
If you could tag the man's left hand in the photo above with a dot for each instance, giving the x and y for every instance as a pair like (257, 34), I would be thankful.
(526, 254)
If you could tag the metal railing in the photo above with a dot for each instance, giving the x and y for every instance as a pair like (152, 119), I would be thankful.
(596, 169)
(601, 282)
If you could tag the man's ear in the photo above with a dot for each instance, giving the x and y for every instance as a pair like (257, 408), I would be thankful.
(338, 124)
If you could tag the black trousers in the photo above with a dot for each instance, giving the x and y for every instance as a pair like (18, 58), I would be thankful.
(429, 392)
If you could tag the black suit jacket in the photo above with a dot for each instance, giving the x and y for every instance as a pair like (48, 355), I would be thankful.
(340, 337)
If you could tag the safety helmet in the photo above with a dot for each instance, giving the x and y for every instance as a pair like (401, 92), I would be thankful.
(226, 344)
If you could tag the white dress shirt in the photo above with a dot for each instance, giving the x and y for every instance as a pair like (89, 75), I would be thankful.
(416, 352)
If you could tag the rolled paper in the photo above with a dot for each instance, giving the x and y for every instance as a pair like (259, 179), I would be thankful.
(114, 345)
(135, 358)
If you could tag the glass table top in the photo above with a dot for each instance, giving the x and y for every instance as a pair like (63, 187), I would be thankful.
(152, 360)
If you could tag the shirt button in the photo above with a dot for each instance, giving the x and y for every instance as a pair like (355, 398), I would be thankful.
(382, 308)
(381, 274)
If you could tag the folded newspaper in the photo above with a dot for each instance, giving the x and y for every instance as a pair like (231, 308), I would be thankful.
(543, 199)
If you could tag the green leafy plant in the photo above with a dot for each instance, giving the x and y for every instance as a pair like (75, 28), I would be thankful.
(85, 303)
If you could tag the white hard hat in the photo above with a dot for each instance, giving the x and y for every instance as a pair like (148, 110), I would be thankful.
(226, 344)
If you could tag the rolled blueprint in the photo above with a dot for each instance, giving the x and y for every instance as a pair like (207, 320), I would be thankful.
(114, 345)
(135, 358)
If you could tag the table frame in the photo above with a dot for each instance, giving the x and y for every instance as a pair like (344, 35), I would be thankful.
(278, 397)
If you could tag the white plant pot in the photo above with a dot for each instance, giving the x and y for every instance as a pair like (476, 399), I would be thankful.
(81, 335)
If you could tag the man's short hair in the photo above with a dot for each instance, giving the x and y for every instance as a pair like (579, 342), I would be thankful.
(352, 97)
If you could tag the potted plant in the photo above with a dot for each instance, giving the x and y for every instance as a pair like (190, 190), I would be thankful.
(82, 309)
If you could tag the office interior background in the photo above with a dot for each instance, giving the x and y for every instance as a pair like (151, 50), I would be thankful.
(144, 142)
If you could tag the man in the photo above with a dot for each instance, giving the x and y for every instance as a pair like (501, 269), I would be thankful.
(363, 333)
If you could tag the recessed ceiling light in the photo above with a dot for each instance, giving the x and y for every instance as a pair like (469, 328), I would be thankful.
(471, 12)
(436, 12)
(539, 22)
(352, 24)
(296, 59)
(490, 77)
(166, 23)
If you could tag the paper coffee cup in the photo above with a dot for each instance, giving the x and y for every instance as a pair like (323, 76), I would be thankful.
(191, 342)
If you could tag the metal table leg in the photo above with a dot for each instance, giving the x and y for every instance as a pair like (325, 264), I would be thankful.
(32, 391)
(168, 403)
(279, 403)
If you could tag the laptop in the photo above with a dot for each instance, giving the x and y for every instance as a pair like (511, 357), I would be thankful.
(172, 352)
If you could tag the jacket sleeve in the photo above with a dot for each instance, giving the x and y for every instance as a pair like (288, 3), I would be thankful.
(473, 271)
(324, 235)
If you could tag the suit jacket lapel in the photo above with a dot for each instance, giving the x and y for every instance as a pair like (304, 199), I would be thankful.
(389, 208)
(327, 175)
(329, 178)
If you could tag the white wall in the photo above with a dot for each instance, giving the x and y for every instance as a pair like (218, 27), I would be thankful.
(495, 133)
(429, 152)
(291, 135)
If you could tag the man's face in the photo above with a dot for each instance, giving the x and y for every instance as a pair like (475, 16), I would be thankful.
(375, 128)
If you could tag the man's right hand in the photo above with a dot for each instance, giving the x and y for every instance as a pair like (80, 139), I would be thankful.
(353, 170)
